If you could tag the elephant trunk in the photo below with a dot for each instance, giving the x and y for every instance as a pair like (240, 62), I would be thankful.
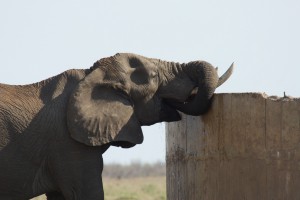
(206, 80)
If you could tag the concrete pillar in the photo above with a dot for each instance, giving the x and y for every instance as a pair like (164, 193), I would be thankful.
(246, 147)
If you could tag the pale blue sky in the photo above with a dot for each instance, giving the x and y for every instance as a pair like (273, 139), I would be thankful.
(39, 39)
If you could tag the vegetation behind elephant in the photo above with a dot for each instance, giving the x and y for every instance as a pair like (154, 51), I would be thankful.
(53, 133)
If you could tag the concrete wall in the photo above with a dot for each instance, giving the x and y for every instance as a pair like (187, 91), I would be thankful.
(247, 147)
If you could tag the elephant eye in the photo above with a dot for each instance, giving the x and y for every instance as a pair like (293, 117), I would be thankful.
(153, 74)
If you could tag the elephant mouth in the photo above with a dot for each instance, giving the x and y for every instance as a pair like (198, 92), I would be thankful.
(174, 102)
(169, 113)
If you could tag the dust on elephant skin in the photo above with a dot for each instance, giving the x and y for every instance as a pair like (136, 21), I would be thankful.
(53, 133)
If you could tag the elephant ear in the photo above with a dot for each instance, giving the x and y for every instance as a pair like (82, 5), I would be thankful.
(101, 112)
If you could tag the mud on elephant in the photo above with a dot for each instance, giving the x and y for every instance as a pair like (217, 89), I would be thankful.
(53, 133)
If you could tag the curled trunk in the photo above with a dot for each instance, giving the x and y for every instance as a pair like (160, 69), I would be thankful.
(206, 80)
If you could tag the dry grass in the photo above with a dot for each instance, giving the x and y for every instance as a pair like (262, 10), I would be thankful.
(146, 188)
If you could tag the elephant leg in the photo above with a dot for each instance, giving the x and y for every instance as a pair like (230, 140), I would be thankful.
(88, 190)
(78, 172)
(55, 196)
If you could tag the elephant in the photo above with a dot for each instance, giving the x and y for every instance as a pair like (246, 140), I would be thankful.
(53, 133)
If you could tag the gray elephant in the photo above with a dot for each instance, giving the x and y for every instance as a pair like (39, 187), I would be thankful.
(53, 133)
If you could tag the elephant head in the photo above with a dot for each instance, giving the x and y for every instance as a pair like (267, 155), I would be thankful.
(123, 92)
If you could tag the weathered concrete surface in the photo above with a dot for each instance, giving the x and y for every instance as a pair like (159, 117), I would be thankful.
(246, 147)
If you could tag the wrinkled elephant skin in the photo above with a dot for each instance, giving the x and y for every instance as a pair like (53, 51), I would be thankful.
(53, 133)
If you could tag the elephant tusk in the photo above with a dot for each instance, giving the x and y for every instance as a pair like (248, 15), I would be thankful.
(192, 95)
(226, 75)
(194, 91)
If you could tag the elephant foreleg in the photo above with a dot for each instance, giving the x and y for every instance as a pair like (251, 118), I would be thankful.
(55, 196)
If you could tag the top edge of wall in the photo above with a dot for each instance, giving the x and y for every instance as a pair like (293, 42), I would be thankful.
(262, 95)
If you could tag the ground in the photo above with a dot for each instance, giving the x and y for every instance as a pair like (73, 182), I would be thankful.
(146, 188)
